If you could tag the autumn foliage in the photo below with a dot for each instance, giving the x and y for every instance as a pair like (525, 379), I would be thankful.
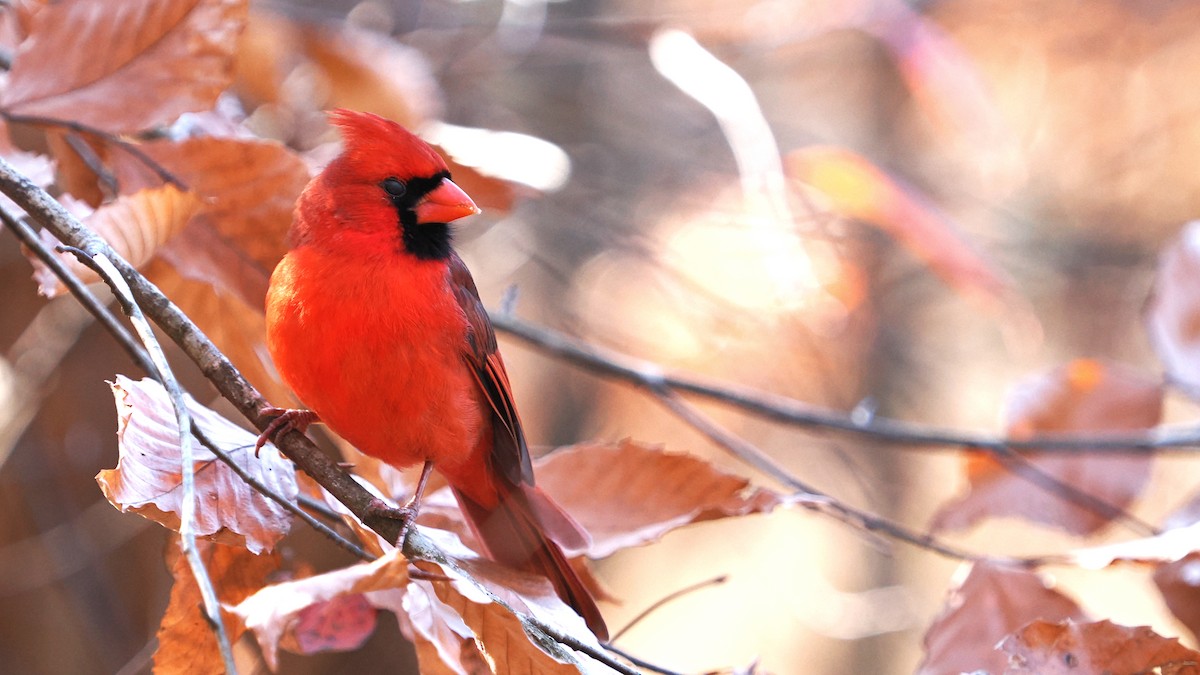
(182, 131)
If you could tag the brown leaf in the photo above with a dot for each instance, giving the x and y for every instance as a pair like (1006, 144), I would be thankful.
(1179, 584)
(136, 226)
(147, 478)
(1173, 311)
(858, 189)
(144, 63)
(1083, 396)
(275, 612)
(481, 585)
(989, 603)
(1101, 647)
(630, 494)
(371, 72)
(75, 175)
(186, 643)
(444, 643)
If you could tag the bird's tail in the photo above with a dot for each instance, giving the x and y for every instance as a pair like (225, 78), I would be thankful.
(527, 530)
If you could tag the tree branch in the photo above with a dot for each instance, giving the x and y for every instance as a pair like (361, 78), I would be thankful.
(905, 435)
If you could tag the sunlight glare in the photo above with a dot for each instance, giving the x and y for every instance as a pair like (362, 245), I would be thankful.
(516, 157)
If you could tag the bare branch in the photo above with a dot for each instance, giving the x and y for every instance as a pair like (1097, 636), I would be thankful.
(902, 435)
(71, 125)
(809, 497)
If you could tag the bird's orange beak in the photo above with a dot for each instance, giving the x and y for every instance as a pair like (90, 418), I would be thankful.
(447, 202)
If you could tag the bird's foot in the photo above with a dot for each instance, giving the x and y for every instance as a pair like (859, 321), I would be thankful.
(286, 419)
(377, 509)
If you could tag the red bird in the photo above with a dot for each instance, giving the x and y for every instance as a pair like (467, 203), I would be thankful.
(374, 321)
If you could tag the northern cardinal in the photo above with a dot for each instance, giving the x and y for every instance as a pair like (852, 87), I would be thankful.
(375, 323)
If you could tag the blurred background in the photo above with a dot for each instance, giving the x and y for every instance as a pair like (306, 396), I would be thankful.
(897, 208)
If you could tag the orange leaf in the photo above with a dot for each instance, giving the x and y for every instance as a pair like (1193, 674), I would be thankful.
(1173, 312)
(186, 643)
(249, 188)
(144, 64)
(445, 645)
(1101, 647)
(136, 226)
(147, 478)
(989, 603)
(1083, 396)
(630, 494)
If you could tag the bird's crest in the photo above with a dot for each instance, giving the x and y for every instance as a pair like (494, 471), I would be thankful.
(379, 147)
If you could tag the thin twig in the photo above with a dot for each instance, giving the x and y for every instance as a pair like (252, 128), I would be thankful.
(640, 663)
(187, 516)
(665, 386)
(810, 497)
(654, 606)
(894, 433)
(78, 127)
(131, 346)
(89, 157)
(1022, 467)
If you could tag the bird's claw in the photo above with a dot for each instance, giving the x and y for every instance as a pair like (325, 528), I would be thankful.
(286, 419)
(377, 509)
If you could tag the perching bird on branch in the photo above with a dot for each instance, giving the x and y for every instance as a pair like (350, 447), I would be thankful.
(374, 321)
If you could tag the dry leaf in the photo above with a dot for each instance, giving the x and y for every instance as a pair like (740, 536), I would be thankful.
(475, 595)
(1102, 647)
(274, 612)
(1173, 312)
(989, 603)
(858, 189)
(1083, 396)
(342, 623)
(444, 643)
(371, 72)
(631, 494)
(144, 63)
(1179, 584)
(136, 226)
(186, 643)
(147, 478)
(73, 174)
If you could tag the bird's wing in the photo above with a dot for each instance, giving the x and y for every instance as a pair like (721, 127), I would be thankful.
(509, 451)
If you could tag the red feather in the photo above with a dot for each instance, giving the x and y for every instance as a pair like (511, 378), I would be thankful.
(377, 326)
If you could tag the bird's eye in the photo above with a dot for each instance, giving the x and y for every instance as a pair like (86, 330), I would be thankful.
(394, 187)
